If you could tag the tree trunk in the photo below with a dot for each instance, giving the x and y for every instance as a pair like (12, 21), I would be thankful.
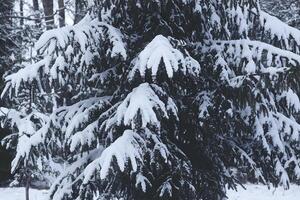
(61, 8)
(27, 187)
(79, 10)
(48, 10)
(36, 9)
(22, 12)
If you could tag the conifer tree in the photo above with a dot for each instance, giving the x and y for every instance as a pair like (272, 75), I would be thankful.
(151, 99)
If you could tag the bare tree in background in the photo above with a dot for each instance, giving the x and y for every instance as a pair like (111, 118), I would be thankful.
(80, 10)
(48, 10)
(61, 11)
(36, 9)
(21, 12)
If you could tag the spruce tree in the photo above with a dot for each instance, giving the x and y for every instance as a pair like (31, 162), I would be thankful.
(149, 99)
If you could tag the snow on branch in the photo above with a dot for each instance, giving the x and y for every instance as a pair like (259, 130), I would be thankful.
(292, 100)
(244, 156)
(158, 51)
(86, 32)
(127, 147)
(278, 134)
(270, 27)
(142, 182)
(256, 48)
(281, 127)
(281, 30)
(253, 58)
(143, 101)
(28, 131)
(75, 121)
(69, 48)
(165, 190)
(72, 173)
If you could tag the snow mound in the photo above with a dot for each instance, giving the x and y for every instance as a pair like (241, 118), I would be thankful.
(261, 192)
(19, 194)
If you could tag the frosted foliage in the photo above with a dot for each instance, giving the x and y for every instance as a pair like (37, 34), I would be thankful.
(276, 133)
(205, 102)
(226, 72)
(59, 54)
(84, 137)
(142, 101)
(128, 147)
(270, 24)
(281, 172)
(246, 60)
(292, 99)
(28, 133)
(158, 51)
(71, 120)
(142, 181)
(68, 119)
(159, 146)
(131, 111)
(77, 114)
(165, 189)
(235, 51)
(59, 191)
(78, 125)
(280, 30)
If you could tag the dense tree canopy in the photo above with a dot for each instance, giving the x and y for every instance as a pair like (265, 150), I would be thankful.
(149, 99)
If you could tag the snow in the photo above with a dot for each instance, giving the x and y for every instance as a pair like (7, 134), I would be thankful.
(142, 100)
(59, 56)
(256, 48)
(165, 189)
(74, 48)
(126, 147)
(29, 135)
(279, 29)
(103, 76)
(61, 186)
(160, 50)
(250, 67)
(19, 194)
(142, 181)
(235, 51)
(261, 192)
(253, 192)
(292, 99)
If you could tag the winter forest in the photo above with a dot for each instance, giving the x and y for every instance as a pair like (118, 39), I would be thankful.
(149, 99)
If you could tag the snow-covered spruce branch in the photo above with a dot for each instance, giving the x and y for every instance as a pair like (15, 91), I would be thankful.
(68, 49)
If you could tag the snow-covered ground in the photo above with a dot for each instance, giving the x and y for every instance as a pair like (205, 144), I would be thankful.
(260, 192)
(19, 194)
(253, 192)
